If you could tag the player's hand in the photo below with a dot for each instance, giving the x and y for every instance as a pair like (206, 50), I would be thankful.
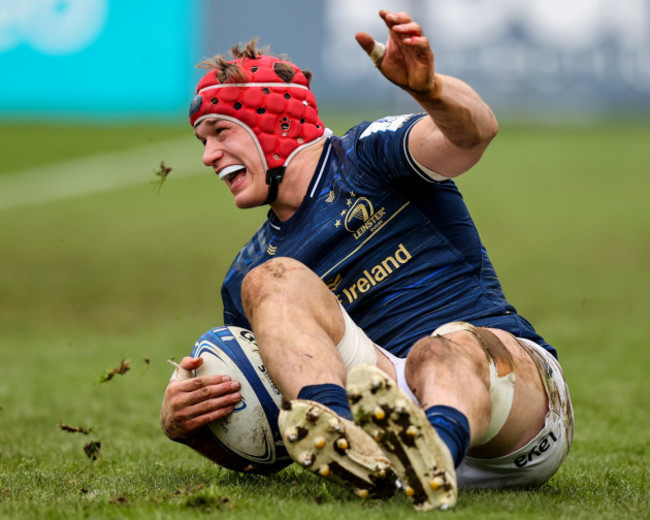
(192, 402)
(407, 59)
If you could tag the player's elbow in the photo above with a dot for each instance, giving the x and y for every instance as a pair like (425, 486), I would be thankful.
(477, 132)
(484, 131)
(491, 129)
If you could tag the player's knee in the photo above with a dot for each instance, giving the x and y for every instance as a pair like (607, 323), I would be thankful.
(273, 278)
(436, 358)
(275, 269)
(430, 350)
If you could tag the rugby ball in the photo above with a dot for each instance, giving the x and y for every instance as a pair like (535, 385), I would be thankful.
(250, 434)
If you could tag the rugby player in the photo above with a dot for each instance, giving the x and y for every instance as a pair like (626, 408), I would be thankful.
(368, 288)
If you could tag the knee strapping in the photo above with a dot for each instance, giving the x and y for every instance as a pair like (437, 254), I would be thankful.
(502, 374)
(355, 347)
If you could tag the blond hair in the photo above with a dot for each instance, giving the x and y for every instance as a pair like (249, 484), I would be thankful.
(227, 71)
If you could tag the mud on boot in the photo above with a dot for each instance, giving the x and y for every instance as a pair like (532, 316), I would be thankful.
(420, 458)
(335, 448)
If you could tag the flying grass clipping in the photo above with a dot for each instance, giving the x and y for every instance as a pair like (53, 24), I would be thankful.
(161, 174)
(121, 370)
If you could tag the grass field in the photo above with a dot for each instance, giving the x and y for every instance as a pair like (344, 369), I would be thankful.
(97, 265)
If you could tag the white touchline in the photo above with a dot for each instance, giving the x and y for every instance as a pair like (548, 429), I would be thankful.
(97, 173)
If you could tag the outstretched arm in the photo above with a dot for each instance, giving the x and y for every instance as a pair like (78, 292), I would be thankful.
(460, 125)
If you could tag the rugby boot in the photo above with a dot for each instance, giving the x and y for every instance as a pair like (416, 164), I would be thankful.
(421, 459)
(335, 448)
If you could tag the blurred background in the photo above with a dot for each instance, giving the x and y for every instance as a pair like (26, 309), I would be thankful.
(539, 59)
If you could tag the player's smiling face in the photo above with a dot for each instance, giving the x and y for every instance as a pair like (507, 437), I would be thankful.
(231, 151)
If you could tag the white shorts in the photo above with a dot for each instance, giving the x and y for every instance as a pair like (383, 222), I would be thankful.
(538, 460)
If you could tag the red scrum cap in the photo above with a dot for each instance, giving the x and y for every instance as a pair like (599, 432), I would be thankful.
(273, 103)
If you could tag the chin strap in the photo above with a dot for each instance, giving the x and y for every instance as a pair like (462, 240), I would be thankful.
(273, 179)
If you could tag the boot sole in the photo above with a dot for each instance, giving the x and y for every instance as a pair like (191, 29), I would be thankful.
(321, 442)
(420, 458)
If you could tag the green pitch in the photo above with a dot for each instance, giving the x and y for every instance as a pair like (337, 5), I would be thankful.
(105, 273)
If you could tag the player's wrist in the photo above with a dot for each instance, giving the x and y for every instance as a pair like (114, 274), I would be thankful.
(432, 94)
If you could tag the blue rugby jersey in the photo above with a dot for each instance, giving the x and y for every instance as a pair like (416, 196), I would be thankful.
(400, 251)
